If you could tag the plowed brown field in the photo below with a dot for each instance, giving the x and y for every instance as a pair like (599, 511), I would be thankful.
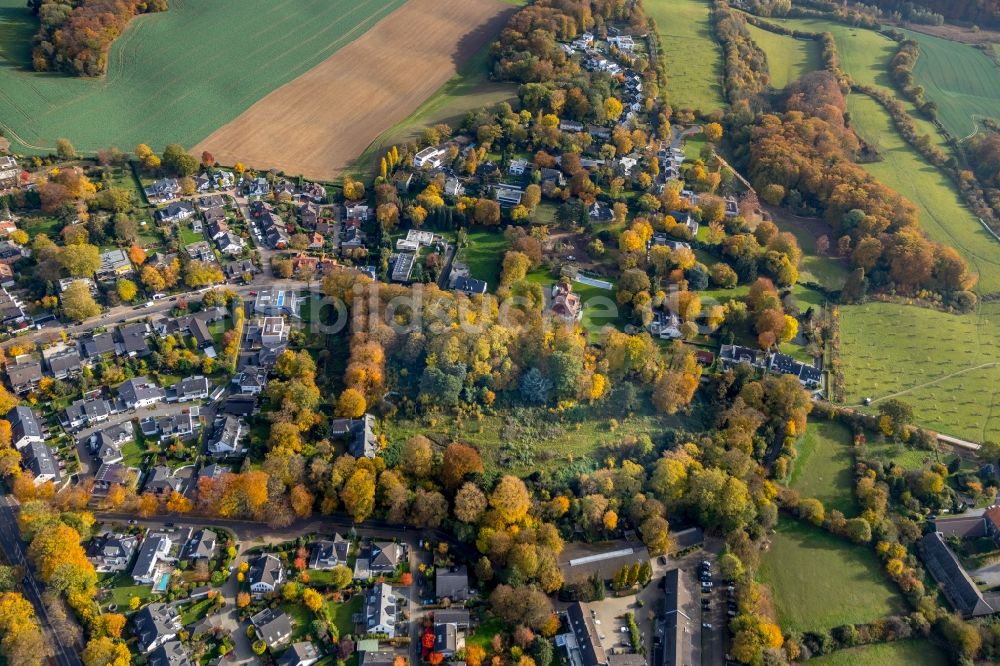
(318, 123)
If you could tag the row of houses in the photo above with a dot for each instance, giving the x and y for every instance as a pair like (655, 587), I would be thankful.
(809, 376)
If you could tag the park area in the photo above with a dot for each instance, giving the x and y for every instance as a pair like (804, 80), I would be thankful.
(900, 653)
(823, 467)
(694, 58)
(819, 581)
(946, 366)
(174, 76)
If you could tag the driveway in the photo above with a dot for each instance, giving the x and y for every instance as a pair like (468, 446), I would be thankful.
(230, 623)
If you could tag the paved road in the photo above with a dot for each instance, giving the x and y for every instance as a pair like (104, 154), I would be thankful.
(14, 551)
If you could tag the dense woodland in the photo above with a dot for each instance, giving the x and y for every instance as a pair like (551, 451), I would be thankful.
(75, 35)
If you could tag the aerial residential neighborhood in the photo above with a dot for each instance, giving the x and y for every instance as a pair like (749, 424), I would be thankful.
(477, 333)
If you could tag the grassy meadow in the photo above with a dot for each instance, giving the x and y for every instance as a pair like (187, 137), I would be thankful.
(822, 468)
(851, 588)
(946, 366)
(914, 652)
(174, 76)
(694, 58)
(960, 79)
(788, 58)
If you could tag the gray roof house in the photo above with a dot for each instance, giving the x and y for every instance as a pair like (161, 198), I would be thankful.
(680, 631)
(133, 339)
(202, 545)
(64, 363)
(99, 344)
(191, 388)
(39, 459)
(140, 392)
(111, 552)
(273, 626)
(386, 556)
(156, 624)
(171, 653)
(25, 428)
(24, 374)
(226, 434)
(328, 553)
(275, 303)
(155, 549)
(163, 482)
(303, 653)
(178, 211)
(364, 443)
(582, 643)
(380, 610)
(266, 574)
(451, 583)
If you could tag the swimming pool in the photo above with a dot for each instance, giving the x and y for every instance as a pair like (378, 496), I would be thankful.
(161, 585)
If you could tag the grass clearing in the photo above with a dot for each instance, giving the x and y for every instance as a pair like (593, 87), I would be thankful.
(823, 466)
(788, 58)
(962, 80)
(852, 587)
(484, 255)
(694, 57)
(173, 76)
(827, 271)
(943, 216)
(900, 653)
(946, 366)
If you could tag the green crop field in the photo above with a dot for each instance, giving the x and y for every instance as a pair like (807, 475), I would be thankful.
(942, 215)
(823, 466)
(946, 366)
(901, 653)
(851, 588)
(172, 76)
(788, 58)
(694, 58)
(962, 80)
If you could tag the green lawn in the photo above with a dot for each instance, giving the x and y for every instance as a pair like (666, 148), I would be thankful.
(694, 58)
(823, 466)
(342, 614)
(173, 76)
(599, 307)
(943, 216)
(962, 80)
(905, 456)
(469, 90)
(946, 366)
(484, 255)
(788, 58)
(187, 236)
(827, 271)
(819, 581)
(915, 652)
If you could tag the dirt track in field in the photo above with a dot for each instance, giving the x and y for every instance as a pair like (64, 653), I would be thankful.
(318, 123)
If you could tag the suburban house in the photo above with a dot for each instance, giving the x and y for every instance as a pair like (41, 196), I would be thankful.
(430, 158)
(303, 653)
(156, 624)
(251, 380)
(956, 583)
(565, 303)
(98, 345)
(171, 426)
(39, 459)
(380, 610)
(140, 392)
(328, 553)
(110, 474)
(107, 443)
(114, 264)
(111, 552)
(201, 545)
(63, 361)
(599, 212)
(274, 627)
(469, 285)
(133, 339)
(276, 303)
(177, 211)
(266, 574)
(385, 556)
(508, 196)
(364, 444)
(733, 355)
(582, 642)
(226, 434)
(452, 583)
(171, 653)
(153, 552)
(162, 482)
(377, 658)
(229, 243)
(191, 388)
(8, 171)
(24, 427)
(200, 251)
(24, 374)
(163, 190)
(665, 325)
(450, 626)
(258, 187)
